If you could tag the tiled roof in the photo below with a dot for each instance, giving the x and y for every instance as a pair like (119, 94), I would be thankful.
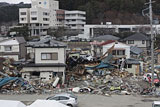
(105, 37)
(46, 42)
(137, 36)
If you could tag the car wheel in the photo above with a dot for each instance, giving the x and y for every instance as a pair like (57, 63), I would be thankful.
(69, 105)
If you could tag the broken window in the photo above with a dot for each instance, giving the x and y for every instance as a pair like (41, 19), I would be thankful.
(114, 52)
(129, 65)
(120, 52)
(35, 73)
(8, 48)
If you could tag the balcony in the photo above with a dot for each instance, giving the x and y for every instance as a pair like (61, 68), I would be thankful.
(75, 22)
(75, 17)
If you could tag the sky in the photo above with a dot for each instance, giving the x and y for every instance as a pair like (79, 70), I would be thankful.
(16, 1)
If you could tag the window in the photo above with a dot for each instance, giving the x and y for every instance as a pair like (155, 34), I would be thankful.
(23, 19)
(8, 48)
(34, 18)
(23, 13)
(45, 19)
(49, 56)
(120, 52)
(143, 41)
(33, 13)
(130, 41)
(63, 98)
(114, 52)
(45, 14)
(129, 65)
(54, 98)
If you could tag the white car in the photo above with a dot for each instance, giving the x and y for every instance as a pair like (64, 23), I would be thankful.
(156, 104)
(65, 98)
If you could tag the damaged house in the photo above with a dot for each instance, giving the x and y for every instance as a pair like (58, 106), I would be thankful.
(13, 48)
(46, 59)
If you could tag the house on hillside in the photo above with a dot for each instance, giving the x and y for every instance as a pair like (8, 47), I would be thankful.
(46, 60)
(13, 48)
(139, 40)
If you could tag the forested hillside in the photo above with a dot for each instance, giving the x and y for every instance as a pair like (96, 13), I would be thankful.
(9, 12)
(116, 11)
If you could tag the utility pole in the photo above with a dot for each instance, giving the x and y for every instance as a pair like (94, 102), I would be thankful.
(152, 41)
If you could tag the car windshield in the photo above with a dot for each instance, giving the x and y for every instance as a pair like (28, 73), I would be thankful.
(156, 105)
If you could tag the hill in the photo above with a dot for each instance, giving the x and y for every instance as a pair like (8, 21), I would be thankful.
(115, 11)
(10, 12)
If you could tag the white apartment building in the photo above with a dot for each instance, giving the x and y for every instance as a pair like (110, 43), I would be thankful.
(75, 20)
(40, 16)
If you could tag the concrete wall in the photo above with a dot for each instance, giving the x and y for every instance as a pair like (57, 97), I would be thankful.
(25, 17)
(60, 51)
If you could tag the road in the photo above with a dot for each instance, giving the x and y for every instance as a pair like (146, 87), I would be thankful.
(87, 100)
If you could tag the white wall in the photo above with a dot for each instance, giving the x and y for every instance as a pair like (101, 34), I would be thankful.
(45, 72)
(26, 17)
(138, 44)
(60, 51)
(39, 15)
(118, 46)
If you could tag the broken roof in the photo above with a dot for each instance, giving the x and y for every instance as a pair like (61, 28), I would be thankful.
(132, 61)
(105, 38)
(46, 42)
(136, 50)
(137, 36)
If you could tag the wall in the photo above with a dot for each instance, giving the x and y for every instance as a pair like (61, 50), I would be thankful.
(45, 72)
(15, 48)
(27, 16)
(138, 44)
(133, 70)
(60, 51)
(43, 69)
(118, 46)
(23, 50)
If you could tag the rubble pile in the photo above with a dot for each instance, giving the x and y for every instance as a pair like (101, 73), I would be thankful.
(109, 84)
(105, 76)
(10, 78)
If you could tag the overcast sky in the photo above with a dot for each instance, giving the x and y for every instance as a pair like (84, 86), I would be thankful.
(16, 1)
